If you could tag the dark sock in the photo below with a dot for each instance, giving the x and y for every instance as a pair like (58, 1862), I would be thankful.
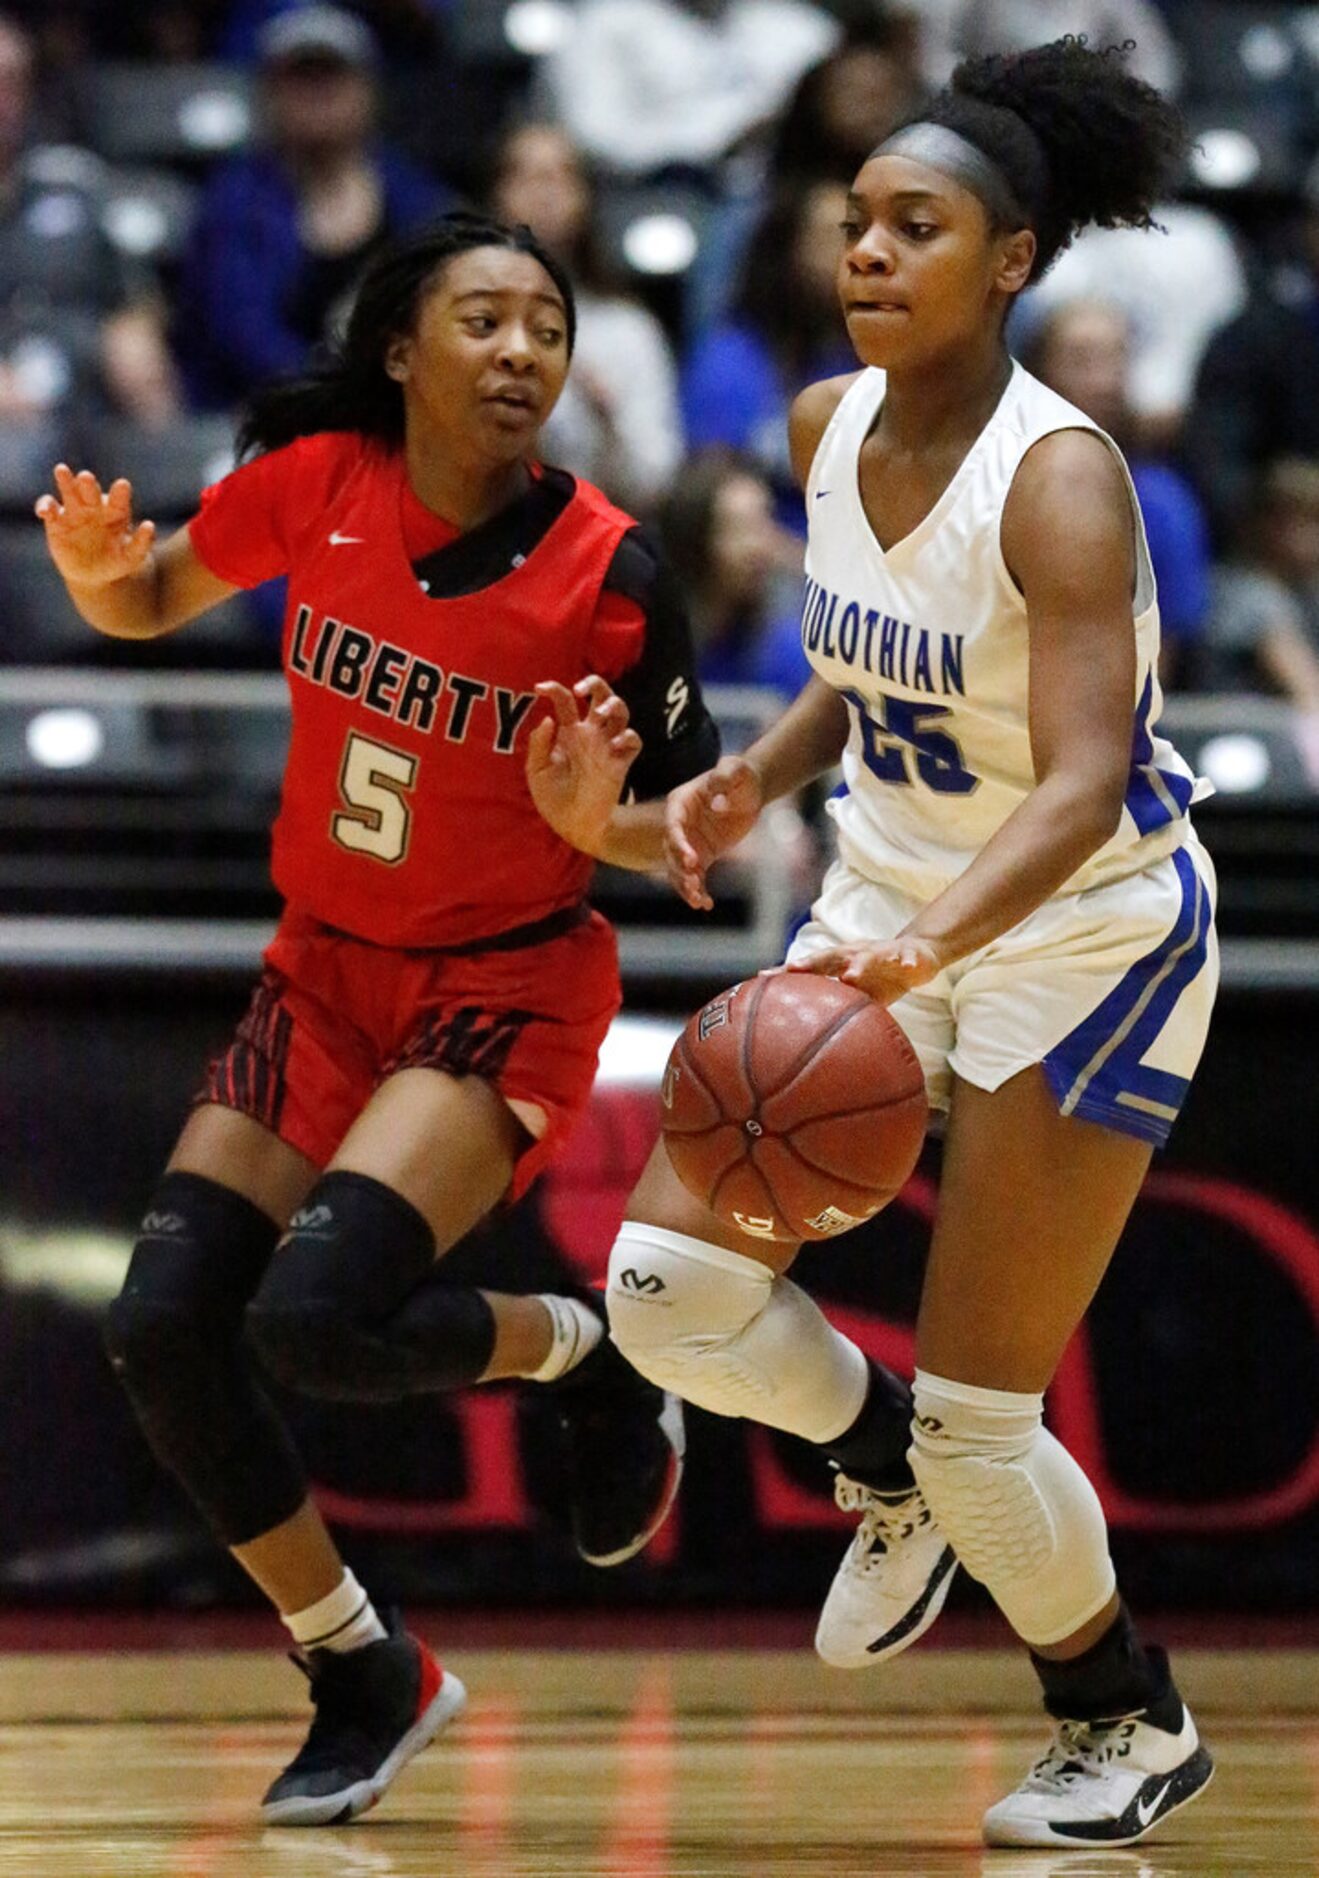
(1119, 1675)
(874, 1449)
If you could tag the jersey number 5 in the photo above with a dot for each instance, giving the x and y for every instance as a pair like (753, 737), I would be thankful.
(901, 732)
(374, 781)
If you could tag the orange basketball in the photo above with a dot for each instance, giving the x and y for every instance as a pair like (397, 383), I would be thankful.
(793, 1106)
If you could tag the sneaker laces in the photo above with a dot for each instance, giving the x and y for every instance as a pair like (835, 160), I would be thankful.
(1080, 1750)
(885, 1520)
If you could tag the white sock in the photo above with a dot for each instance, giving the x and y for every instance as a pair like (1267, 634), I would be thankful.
(346, 1620)
(577, 1329)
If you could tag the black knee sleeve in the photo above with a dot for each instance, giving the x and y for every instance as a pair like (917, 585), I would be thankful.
(174, 1335)
(351, 1308)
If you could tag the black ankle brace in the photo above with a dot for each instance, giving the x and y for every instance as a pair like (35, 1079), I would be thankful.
(1119, 1675)
(874, 1449)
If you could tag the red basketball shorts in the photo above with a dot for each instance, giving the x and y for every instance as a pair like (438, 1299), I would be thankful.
(334, 1016)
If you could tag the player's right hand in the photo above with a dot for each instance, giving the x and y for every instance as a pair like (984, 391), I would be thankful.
(90, 534)
(703, 819)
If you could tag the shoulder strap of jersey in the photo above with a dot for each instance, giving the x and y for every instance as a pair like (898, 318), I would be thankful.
(837, 450)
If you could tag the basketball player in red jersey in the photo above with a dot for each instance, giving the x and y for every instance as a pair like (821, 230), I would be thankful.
(428, 1021)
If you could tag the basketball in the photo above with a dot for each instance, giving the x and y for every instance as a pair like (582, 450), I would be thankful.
(793, 1106)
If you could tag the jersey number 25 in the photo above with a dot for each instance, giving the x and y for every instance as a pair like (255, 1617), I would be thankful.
(895, 734)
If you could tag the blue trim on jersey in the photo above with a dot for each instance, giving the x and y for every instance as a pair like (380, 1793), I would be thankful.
(1151, 803)
(1096, 1071)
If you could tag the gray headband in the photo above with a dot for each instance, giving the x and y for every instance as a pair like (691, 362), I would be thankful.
(965, 162)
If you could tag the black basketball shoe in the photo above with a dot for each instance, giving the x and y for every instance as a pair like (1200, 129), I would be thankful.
(621, 1444)
(375, 1708)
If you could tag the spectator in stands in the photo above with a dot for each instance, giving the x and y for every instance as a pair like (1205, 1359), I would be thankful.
(847, 103)
(1082, 351)
(1264, 626)
(77, 322)
(1177, 283)
(283, 233)
(841, 108)
(646, 85)
(740, 571)
(953, 29)
(1255, 397)
(404, 29)
(783, 330)
(617, 423)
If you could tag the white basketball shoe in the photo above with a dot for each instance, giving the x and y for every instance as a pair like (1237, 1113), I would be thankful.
(1106, 1783)
(892, 1581)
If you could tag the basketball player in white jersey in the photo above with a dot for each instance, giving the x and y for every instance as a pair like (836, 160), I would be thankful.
(1017, 878)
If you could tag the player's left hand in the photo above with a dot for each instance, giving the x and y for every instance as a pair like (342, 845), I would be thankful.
(578, 757)
(885, 971)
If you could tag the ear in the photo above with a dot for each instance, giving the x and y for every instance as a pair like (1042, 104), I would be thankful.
(398, 359)
(1016, 261)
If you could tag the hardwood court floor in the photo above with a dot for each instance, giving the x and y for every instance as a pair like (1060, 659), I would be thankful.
(574, 1764)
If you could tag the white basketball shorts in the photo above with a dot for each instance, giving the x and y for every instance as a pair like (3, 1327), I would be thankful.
(1109, 989)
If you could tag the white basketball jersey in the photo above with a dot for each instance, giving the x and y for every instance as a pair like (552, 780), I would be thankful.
(928, 642)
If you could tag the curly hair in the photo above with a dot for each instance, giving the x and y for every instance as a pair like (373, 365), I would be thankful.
(1081, 140)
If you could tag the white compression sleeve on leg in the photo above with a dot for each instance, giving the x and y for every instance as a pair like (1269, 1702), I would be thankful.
(1016, 1508)
(725, 1333)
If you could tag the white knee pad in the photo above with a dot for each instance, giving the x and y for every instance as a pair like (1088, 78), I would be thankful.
(1014, 1505)
(725, 1333)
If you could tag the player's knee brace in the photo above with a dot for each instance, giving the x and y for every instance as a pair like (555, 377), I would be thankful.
(723, 1332)
(351, 1308)
(1018, 1511)
(174, 1335)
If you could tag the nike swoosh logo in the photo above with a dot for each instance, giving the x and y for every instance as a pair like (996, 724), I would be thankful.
(339, 541)
(1144, 1812)
(821, 493)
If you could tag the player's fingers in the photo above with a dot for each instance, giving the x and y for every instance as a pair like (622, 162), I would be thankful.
(138, 545)
(47, 509)
(86, 489)
(540, 743)
(611, 723)
(691, 888)
(824, 964)
(594, 692)
(560, 701)
(681, 848)
(119, 498)
(626, 745)
(64, 480)
(877, 983)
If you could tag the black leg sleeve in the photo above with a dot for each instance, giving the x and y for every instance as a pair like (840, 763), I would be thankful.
(352, 1308)
(174, 1335)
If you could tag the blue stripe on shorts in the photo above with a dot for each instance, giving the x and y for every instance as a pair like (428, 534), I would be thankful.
(1096, 1071)
(1154, 796)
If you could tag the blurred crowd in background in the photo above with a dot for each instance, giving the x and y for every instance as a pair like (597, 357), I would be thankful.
(189, 190)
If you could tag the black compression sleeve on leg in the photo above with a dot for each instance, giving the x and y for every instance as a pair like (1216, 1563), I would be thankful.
(174, 1335)
(874, 1449)
(352, 1308)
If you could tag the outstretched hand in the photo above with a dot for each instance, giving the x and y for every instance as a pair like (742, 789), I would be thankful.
(578, 757)
(704, 819)
(90, 534)
(885, 971)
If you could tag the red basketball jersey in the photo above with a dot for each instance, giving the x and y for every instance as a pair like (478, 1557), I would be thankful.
(406, 817)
